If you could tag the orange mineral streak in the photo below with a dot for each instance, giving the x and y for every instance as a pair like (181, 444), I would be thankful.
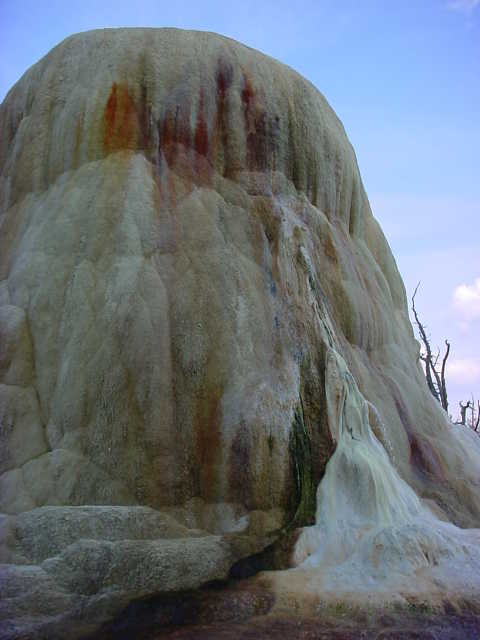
(121, 126)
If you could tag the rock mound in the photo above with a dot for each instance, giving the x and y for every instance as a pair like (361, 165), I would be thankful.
(184, 243)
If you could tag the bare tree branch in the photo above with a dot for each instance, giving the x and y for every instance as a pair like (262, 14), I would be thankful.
(435, 379)
(435, 374)
(442, 374)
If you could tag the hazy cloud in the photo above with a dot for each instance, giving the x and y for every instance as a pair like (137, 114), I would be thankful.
(464, 371)
(463, 5)
(425, 221)
(466, 299)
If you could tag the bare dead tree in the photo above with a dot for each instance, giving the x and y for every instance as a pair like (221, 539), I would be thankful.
(474, 421)
(475, 418)
(435, 377)
(463, 412)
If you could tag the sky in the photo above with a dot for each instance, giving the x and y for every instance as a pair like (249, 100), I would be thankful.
(404, 78)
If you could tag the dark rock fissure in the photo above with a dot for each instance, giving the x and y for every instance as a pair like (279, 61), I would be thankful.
(152, 617)
(301, 453)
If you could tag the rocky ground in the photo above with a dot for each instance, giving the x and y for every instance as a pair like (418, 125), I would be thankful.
(246, 610)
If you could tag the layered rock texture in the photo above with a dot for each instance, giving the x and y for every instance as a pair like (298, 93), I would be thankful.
(200, 323)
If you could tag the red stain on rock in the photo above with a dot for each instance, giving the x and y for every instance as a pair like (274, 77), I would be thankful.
(201, 130)
(195, 150)
(145, 119)
(127, 124)
(249, 116)
(423, 458)
(221, 155)
(224, 78)
(261, 130)
(248, 96)
(186, 152)
(183, 134)
(111, 112)
(120, 120)
(175, 131)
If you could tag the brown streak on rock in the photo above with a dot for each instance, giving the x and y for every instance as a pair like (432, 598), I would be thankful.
(221, 160)
(248, 94)
(166, 136)
(207, 428)
(250, 117)
(239, 466)
(145, 119)
(329, 248)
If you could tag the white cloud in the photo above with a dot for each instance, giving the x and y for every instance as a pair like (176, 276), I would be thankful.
(466, 300)
(463, 5)
(464, 371)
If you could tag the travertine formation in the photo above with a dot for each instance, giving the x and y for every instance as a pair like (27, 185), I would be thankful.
(373, 535)
(185, 243)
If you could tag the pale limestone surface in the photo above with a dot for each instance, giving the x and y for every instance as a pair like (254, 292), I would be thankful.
(184, 236)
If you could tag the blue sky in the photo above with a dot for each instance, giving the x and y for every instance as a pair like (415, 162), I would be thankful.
(404, 77)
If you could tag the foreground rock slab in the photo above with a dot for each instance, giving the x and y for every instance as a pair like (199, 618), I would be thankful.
(72, 568)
